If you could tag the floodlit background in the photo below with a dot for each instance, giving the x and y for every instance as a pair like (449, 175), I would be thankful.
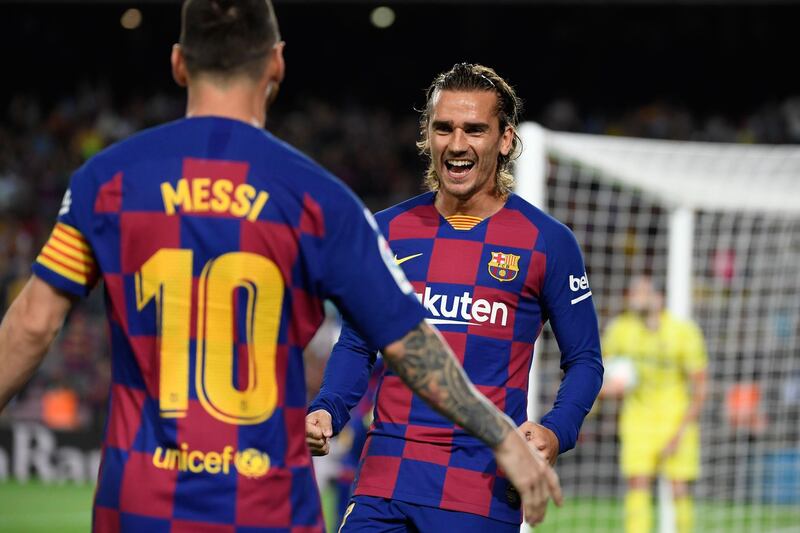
(78, 76)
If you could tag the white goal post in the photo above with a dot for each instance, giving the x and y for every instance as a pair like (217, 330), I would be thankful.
(719, 225)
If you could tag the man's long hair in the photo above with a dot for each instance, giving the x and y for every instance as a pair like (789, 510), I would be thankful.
(228, 37)
(474, 77)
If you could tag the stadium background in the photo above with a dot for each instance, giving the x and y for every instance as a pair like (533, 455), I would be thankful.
(75, 80)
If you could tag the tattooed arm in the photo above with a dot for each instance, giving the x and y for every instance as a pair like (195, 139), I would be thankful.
(425, 363)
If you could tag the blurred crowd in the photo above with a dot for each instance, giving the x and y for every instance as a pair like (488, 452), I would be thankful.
(775, 122)
(372, 150)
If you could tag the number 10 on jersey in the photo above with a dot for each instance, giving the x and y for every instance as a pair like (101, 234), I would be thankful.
(167, 278)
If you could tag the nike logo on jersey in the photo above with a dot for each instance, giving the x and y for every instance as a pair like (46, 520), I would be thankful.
(579, 284)
(404, 259)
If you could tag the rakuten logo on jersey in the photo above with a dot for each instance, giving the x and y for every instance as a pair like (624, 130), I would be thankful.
(578, 284)
(447, 309)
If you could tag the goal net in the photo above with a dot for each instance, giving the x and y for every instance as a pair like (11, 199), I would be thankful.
(719, 226)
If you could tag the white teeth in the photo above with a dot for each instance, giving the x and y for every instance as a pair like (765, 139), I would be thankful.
(459, 163)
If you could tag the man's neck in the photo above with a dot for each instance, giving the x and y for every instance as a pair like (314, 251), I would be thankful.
(653, 320)
(235, 100)
(482, 204)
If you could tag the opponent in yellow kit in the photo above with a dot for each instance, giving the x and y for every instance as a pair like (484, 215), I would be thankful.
(658, 421)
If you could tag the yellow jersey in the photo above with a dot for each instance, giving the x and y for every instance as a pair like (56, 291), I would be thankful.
(663, 358)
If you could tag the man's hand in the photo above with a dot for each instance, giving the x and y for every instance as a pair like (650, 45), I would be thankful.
(534, 479)
(542, 439)
(319, 430)
(612, 390)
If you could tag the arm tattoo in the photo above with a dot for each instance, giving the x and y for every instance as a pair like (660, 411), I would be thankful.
(430, 370)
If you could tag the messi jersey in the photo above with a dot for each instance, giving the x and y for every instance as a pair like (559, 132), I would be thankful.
(216, 244)
(489, 290)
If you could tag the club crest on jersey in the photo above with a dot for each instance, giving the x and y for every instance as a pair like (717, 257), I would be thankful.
(503, 266)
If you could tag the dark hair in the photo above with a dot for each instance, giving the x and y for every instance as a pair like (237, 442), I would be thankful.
(474, 77)
(228, 37)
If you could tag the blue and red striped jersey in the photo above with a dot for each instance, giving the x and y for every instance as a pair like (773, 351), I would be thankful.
(489, 289)
(216, 244)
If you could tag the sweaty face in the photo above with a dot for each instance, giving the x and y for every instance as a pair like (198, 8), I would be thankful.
(465, 140)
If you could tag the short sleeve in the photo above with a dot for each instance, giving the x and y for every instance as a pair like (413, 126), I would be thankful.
(67, 261)
(361, 277)
(695, 357)
(611, 342)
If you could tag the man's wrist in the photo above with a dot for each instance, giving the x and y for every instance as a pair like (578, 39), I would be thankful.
(323, 403)
(555, 430)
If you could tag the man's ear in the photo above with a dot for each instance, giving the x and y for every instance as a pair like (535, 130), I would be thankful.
(277, 65)
(179, 72)
(274, 72)
(507, 141)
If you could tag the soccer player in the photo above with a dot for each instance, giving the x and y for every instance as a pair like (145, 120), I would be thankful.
(658, 421)
(490, 269)
(216, 244)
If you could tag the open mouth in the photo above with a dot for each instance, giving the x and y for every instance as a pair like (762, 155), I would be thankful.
(458, 167)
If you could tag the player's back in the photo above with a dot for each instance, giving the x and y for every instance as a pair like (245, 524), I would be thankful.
(207, 233)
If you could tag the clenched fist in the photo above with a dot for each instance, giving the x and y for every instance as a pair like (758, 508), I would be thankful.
(319, 430)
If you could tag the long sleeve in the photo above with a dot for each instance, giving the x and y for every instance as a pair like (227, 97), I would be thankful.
(346, 377)
(576, 395)
(568, 298)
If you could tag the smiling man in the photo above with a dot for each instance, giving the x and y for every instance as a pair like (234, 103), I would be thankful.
(490, 269)
(217, 244)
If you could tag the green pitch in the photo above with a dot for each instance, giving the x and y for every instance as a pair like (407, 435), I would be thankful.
(36, 508)
(581, 515)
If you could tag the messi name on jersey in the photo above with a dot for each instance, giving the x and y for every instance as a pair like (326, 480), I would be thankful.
(203, 195)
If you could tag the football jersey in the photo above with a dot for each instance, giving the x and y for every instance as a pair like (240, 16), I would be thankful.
(664, 360)
(489, 289)
(216, 244)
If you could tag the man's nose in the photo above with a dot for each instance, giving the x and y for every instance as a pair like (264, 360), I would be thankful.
(458, 142)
